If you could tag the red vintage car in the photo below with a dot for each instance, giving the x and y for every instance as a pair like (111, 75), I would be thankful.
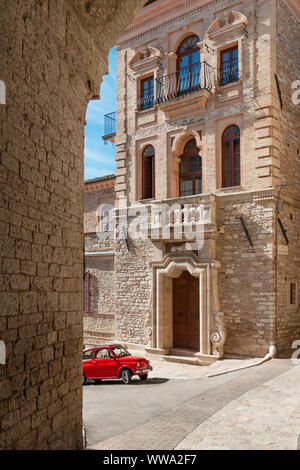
(113, 362)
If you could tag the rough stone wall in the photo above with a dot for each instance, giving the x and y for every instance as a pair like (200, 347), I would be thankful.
(288, 271)
(288, 71)
(246, 276)
(133, 289)
(53, 55)
(98, 324)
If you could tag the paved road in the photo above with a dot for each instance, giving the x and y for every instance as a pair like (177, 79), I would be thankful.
(160, 413)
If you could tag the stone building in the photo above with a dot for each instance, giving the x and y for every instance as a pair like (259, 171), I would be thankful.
(207, 139)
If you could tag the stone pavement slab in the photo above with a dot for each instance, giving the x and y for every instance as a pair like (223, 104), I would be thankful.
(266, 417)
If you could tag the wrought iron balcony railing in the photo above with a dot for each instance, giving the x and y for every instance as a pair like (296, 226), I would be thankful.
(184, 81)
(229, 73)
(110, 126)
(146, 101)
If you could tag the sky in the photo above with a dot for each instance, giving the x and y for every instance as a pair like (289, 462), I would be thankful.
(99, 159)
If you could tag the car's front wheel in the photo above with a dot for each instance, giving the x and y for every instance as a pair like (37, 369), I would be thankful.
(143, 377)
(126, 376)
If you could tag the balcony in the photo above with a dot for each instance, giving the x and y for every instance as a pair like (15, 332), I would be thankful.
(186, 91)
(184, 82)
(168, 89)
(110, 127)
(175, 218)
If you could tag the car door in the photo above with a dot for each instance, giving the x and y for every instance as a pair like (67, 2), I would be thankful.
(87, 363)
(105, 366)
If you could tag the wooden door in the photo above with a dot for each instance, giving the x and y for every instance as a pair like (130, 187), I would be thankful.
(186, 312)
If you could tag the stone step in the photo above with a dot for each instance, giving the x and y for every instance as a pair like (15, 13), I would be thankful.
(182, 352)
(181, 360)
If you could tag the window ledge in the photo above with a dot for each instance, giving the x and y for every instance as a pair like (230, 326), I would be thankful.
(228, 85)
(144, 111)
(230, 188)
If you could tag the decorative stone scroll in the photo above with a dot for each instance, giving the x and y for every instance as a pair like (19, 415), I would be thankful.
(232, 23)
(148, 322)
(145, 60)
(218, 335)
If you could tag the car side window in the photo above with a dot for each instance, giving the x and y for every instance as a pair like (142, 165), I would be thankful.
(87, 355)
(102, 354)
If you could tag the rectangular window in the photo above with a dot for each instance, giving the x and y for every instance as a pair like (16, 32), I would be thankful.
(146, 99)
(86, 293)
(229, 66)
(293, 293)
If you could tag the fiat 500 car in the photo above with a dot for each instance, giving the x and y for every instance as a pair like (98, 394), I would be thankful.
(113, 362)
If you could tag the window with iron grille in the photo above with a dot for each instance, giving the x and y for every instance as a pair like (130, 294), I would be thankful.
(229, 66)
(146, 99)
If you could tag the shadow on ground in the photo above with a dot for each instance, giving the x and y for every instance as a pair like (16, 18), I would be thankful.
(154, 381)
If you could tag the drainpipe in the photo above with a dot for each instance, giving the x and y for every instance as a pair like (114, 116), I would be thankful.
(270, 355)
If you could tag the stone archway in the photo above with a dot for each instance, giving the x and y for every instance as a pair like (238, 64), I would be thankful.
(54, 54)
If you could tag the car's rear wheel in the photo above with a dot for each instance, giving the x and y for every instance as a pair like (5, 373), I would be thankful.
(143, 377)
(83, 379)
(126, 376)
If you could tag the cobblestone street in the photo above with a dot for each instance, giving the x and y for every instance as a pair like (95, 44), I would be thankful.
(180, 407)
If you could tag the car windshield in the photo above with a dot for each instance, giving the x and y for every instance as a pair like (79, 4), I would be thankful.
(120, 351)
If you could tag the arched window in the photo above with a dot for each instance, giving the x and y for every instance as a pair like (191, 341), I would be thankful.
(190, 170)
(148, 172)
(188, 65)
(231, 174)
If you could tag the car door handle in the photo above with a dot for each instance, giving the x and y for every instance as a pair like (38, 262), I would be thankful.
(93, 362)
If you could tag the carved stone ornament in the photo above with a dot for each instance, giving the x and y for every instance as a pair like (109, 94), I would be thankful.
(218, 337)
(148, 323)
(146, 59)
(232, 23)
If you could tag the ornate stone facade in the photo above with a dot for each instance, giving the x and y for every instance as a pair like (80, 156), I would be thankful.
(248, 273)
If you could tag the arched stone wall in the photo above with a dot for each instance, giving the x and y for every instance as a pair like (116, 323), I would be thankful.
(53, 55)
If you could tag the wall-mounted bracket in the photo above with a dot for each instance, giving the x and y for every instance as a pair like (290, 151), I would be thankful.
(246, 231)
(284, 231)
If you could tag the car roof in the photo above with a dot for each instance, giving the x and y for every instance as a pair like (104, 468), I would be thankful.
(102, 346)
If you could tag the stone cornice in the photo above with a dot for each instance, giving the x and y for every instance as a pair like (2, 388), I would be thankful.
(102, 184)
(152, 22)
